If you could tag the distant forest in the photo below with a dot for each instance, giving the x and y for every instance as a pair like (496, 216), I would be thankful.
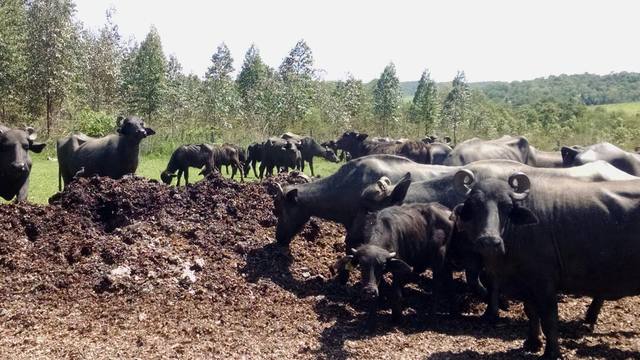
(589, 89)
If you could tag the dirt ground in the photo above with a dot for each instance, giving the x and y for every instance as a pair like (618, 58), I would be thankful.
(136, 269)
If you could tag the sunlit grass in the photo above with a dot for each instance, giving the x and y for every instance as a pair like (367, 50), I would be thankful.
(44, 174)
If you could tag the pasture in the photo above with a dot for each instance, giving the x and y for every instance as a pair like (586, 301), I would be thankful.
(44, 175)
(631, 108)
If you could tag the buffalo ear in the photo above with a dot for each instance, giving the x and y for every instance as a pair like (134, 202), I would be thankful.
(568, 155)
(37, 147)
(292, 196)
(119, 120)
(150, 131)
(400, 190)
(362, 137)
(522, 216)
(398, 267)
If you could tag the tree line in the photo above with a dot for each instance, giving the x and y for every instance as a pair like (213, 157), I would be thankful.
(62, 76)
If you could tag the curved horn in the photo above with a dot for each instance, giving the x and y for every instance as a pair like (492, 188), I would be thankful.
(463, 181)
(520, 182)
(31, 133)
(279, 189)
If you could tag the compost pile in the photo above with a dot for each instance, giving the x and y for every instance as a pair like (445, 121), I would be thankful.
(134, 268)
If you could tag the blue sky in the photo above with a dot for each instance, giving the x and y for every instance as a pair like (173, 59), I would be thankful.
(489, 39)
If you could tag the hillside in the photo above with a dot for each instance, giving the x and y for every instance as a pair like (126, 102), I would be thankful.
(590, 89)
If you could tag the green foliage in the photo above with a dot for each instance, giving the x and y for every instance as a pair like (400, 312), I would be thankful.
(221, 99)
(454, 109)
(51, 39)
(145, 76)
(102, 66)
(298, 75)
(12, 55)
(589, 89)
(94, 123)
(386, 98)
(424, 108)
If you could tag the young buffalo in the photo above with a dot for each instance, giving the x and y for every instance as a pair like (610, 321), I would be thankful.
(186, 156)
(405, 241)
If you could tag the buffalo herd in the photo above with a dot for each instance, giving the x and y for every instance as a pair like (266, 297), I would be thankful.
(522, 223)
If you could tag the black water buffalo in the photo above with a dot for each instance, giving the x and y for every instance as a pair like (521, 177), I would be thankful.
(227, 155)
(242, 157)
(440, 189)
(279, 153)
(186, 156)
(623, 160)
(114, 155)
(358, 144)
(309, 148)
(542, 236)
(254, 154)
(403, 240)
(15, 162)
(516, 148)
(336, 197)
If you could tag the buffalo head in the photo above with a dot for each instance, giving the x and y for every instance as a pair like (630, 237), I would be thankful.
(133, 127)
(14, 146)
(490, 206)
(291, 215)
(350, 141)
(374, 262)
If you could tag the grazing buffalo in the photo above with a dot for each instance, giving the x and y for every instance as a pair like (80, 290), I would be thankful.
(15, 162)
(309, 148)
(114, 155)
(226, 155)
(254, 154)
(242, 157)
(623, 160)
(440, 189)
(336, 197)
(186, 156)
(541, 236)
(403, 240)
(516, 148)
(279, 153)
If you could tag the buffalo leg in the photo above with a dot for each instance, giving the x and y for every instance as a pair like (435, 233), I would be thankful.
(491, 314)
(548, 310)
(396, 300)
(261, 170)
(24, 191)
(593, 311)
(310, 166)
(186, 176)
(226, 168)
(253, 165)
(179, 176)
(532, 343)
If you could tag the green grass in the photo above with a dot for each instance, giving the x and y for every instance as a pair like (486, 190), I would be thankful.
(632, 108)
(44, 174)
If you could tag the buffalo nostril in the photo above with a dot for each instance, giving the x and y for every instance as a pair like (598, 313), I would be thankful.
(20, 166)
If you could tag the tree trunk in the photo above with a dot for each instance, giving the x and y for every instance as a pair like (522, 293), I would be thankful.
(49, 114)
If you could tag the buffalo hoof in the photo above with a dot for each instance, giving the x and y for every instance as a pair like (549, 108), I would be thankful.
(503, 304)
(551, 355)
(343, 277)
(490, 317)
(532, 345)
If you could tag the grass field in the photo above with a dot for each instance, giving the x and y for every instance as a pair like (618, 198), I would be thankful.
(44, 174)
(632, 108)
